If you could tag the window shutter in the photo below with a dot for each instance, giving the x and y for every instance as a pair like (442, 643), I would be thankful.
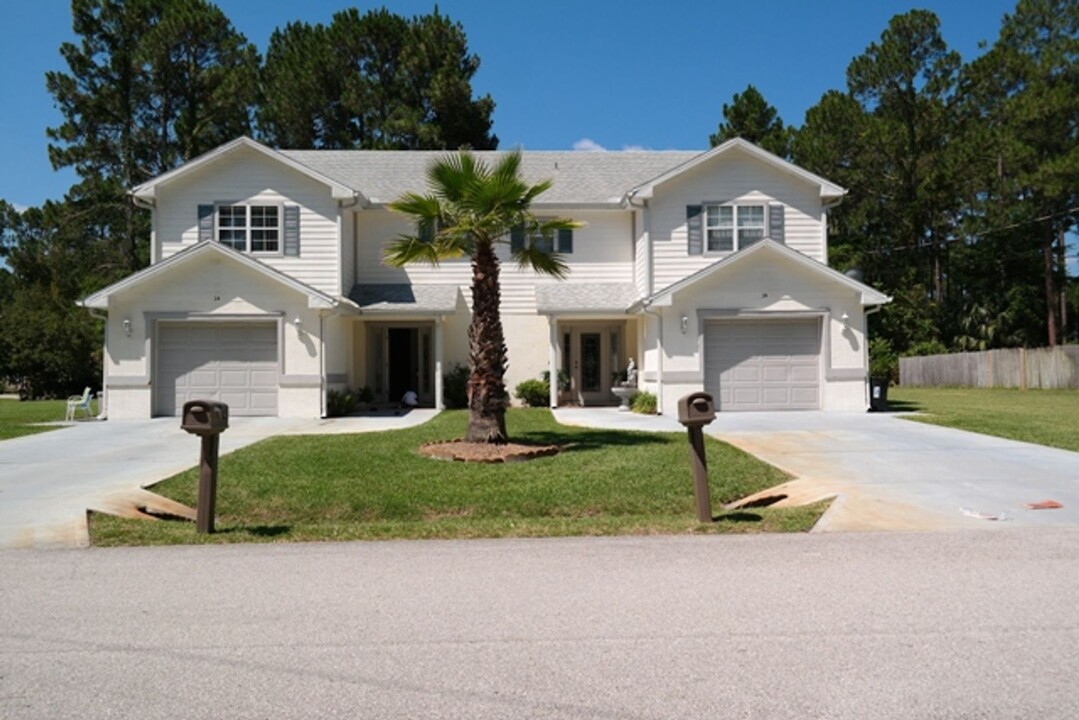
(517, 239)
(206, 223)
(776, 220)
(292, 230)
(565, 240)
(694, 230)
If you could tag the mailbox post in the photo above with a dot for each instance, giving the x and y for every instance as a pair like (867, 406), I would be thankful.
(207, 419)
(695, 411)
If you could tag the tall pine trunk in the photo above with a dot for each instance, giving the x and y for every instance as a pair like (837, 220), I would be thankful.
(487, 398)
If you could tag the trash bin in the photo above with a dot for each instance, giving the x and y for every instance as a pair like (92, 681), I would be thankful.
(878, 394)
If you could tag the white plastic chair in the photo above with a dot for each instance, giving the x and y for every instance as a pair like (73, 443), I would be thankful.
(79, 402)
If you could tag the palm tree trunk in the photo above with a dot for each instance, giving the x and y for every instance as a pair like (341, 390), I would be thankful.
(487, 398)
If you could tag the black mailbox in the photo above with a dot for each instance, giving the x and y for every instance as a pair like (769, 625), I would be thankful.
(205, 417)
(696, 409)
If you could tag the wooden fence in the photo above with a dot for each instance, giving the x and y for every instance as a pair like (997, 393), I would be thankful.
(1045, 368)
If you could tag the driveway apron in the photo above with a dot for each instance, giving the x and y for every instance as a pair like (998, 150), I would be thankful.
(888, 473)
(49, 481)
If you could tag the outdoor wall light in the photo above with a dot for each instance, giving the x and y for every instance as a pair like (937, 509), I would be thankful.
(299, 325)
(127, 327)
(845, 318)
(685, 324)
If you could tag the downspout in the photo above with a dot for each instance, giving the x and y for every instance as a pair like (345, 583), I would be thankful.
(322, 363)
(102, 411)
(659, 363)
(646, 228)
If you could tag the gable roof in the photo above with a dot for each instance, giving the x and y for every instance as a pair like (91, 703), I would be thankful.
(100, 299)
(148, 190)
(580, 177)
(870, 296)
(828, 189)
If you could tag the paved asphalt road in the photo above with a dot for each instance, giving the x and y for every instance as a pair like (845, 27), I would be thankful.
(849, 625)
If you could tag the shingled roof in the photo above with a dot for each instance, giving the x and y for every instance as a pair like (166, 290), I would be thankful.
(579, 177)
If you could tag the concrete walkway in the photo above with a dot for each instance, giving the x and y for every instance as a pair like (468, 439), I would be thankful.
(888, 473)
(49, 481)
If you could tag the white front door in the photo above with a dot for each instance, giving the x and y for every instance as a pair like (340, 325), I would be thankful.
(594, 355)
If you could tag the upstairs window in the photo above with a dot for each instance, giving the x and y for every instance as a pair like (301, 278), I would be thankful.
(250, 228)
(256, 229)
(560, 241)
(733, 227)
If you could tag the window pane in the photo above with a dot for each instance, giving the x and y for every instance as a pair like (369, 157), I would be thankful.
(229, 216)
(726, 216)
(751, 216)
(264, 216)
(264, 240)
(542, 243)
(713, 215)
(721, 240)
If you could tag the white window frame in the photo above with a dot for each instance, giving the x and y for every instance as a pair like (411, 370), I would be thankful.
(736, 227)
(247, 228)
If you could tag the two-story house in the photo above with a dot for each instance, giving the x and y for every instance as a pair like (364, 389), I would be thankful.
(266, 286)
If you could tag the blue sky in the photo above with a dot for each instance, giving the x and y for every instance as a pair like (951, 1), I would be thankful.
(562, 72)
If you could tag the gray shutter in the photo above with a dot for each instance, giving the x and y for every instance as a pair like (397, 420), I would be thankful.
(565, 241)
(206, 223)
(694, 230)
(776, 219)
(292, 230)
(517, 239)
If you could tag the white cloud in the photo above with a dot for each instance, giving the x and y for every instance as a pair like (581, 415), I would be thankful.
(19, 208)
(588, 145)
(634, 148)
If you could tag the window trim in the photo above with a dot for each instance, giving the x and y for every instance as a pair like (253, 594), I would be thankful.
(735, 227)
(248, 205)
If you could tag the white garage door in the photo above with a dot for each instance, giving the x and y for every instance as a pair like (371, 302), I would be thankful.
(234, 363)
(763, 365)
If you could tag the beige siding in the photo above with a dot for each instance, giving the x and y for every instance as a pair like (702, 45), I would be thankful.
(248, 176)
(735, 177)
(602, 253)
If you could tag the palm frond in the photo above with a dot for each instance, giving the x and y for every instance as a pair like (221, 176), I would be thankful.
(422, 208)
(407, 249)
(531, 257)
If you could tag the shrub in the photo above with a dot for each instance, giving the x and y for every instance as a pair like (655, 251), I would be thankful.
(883, 362)
(365, 395)
(533, 393)
(339, 403)
(563, 379)
(644, 403)
(455, 387)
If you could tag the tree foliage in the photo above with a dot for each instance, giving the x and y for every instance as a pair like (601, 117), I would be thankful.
(750, 117)
(373, 81)
(471, 208)
(962, 178)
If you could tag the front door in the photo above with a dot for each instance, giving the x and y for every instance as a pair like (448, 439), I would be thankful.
(591, 354)
(406, 362)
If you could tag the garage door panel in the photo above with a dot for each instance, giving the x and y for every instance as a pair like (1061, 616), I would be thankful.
(235, 363)
(763, 365)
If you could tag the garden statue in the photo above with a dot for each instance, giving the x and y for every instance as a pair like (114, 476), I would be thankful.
(631, 374)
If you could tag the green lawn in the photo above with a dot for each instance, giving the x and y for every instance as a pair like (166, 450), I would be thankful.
(16, 417)
(1045, 417)
(375, 486)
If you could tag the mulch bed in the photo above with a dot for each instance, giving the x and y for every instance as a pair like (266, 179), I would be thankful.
(462, 451)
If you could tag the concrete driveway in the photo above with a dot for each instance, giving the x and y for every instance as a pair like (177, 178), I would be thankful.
(49, 481)
(888, 473)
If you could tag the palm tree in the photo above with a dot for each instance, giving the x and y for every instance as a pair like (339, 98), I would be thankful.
(470, 208)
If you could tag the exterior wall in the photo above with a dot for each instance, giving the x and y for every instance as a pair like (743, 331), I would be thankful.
(762, 284)
(734, 177)
(602, 253)
(210, 288)
(248, 176)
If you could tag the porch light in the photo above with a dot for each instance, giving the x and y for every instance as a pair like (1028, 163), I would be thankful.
(845, 318)
(299, 324)
(685, 324)
(127, 327)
